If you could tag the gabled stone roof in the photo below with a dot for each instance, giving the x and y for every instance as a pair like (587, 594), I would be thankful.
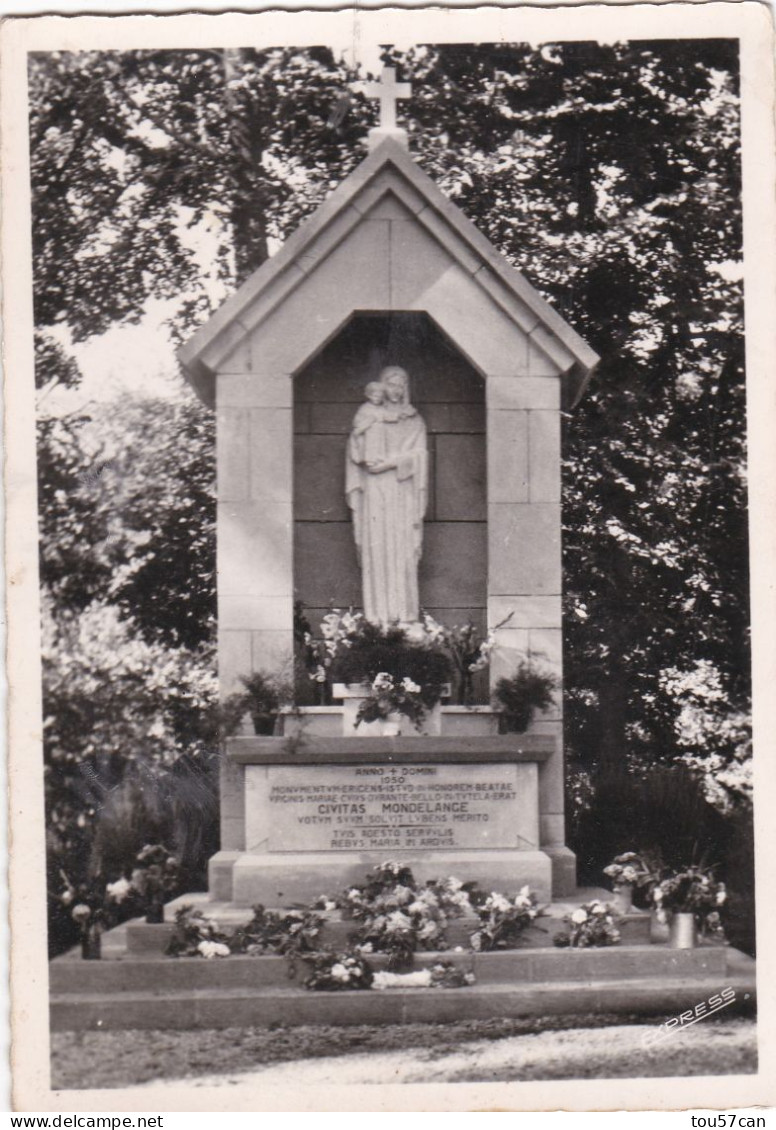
(387, 172)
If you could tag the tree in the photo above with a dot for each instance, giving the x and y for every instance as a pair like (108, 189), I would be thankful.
(132, 150)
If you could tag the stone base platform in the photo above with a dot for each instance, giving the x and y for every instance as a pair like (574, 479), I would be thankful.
(135, 987)
(301, 877)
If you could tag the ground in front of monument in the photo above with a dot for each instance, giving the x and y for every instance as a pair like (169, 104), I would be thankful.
(492, 1051)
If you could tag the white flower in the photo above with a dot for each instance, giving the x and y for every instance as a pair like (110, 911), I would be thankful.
(428, 930)
(119, 890)
(453, 884)
(721, 895)
(402, 894)
(367, 947)
(213, 949)
(350, 621)
(579, 916)
(409, 686)
(81, 912)
(382, 681)
(339, 972)
(421, 979)
(499, 903)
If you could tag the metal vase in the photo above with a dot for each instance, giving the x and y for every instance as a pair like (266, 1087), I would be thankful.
(684, 935)
(91, 942)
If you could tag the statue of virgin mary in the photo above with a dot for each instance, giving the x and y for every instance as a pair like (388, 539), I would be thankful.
(386, 486)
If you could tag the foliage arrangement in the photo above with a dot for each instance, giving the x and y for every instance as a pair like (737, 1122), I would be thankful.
(592, 924)
(693, 890)
(388, 697)
(503, 921)
(518, 697)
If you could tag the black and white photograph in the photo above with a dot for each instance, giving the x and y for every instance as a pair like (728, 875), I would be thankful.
(387, 504)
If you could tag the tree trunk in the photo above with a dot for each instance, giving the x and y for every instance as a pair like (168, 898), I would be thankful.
(249, 196)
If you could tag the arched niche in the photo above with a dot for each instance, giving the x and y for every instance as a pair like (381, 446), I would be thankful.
(450, 395)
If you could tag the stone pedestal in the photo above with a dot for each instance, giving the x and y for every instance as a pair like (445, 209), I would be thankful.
(319, 813)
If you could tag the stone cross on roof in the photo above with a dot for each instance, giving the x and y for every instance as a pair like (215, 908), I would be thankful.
(389, 91)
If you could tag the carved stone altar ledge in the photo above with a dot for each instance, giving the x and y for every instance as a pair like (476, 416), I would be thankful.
(399, 750)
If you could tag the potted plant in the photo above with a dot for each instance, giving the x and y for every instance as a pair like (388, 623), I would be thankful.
(518, 697)
(693, 897)
(262, 698)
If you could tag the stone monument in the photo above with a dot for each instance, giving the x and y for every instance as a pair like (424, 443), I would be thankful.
(438, 488)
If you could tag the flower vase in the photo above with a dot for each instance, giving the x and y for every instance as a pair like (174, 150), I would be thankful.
(623, 898)
(683, 934)
(155, 910)
(392, 725)
(91, 941)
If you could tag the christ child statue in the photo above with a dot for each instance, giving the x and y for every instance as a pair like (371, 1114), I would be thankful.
(367, 425)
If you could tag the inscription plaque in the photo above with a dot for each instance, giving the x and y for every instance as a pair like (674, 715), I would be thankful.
(366, 807)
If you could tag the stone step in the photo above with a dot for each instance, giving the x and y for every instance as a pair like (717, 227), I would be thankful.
(291, 1005)
(162, 974)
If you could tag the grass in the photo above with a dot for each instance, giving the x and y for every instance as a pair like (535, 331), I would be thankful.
(466, 1051)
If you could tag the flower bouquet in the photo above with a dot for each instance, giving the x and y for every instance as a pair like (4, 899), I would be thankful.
(195, 935)
(359, 652)
(290, 933)
(627, 871)
(592, 924)
(389, 696)
(399, 916)
(628, 868)
(91, 905)
(333, 972)
(503, 920)
(468, 650)
(155, 875)
(693, 890)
